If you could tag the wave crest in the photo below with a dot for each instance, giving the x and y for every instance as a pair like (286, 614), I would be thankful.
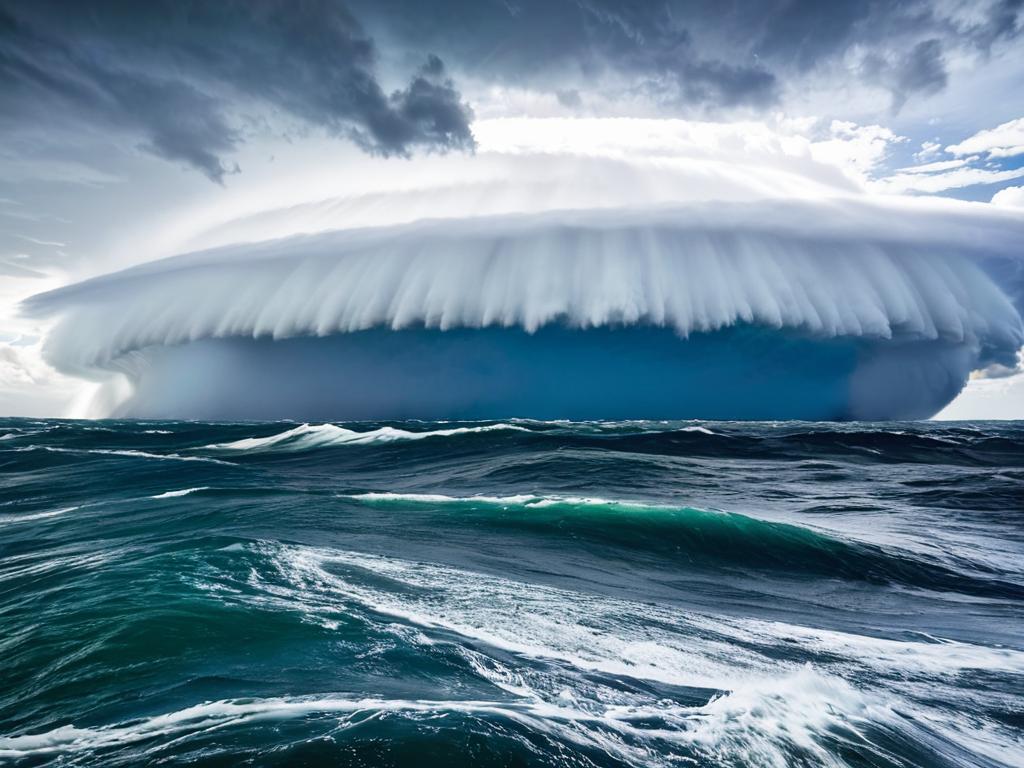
(310, 436)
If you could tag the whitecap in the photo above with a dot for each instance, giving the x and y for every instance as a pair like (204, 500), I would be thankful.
(308, 436)
(8, 519)
(182, 492)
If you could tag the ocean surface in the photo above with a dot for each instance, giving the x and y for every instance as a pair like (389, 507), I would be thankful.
(511, 594)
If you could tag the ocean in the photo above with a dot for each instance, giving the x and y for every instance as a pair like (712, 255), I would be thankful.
(511, 593)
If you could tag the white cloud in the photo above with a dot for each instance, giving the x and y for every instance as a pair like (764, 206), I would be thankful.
(940, 182)
(929, 150)
(37, 241)
(778, 156)
(1006, 140)
(941, 165)
(1010, 197)
(837, 151)
(30, 387)
(857, 149)
(1000, 398)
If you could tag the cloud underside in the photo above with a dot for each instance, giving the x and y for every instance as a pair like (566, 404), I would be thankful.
(179, 77)
(709, 56)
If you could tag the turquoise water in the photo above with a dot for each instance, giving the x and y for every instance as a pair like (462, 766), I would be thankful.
(519, 593)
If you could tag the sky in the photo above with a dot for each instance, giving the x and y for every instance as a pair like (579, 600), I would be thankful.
(133, 131)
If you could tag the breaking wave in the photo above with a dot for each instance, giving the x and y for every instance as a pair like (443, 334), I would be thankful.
(811, 704)
(178, 494)
(310, 436)
(704, 537)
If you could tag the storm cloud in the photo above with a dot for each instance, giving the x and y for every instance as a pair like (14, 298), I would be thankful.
(173, 74)
(190, 81)
(703, 58)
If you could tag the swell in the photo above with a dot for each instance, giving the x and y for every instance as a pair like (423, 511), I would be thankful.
(910, 442)
(967, 443)
(703, 538)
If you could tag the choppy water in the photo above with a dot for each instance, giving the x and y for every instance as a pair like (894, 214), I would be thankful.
(512, 594)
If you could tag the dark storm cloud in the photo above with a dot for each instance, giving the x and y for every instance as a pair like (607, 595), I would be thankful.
(183, 78)
(706, 56)
(1002, 22)
(568, 45)
(174, 72)
(920, 71)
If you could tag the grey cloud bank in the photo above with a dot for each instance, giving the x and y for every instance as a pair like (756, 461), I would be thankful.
(175, 76)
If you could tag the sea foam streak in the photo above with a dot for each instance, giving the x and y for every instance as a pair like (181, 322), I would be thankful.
(182, 492)
(516, 500)
(727, 726)
(770, 709)
(8, 519)
(123, 452)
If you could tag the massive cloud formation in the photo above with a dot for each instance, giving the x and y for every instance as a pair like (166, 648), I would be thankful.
(804, 267)
(175, 74)
(699, 279)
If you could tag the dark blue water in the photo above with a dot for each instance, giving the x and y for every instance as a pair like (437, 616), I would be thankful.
(526, 593)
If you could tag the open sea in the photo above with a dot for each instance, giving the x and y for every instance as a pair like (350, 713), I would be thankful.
(511, 594)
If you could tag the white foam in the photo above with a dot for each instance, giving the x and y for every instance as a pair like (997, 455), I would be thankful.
(182, 492)
(440, 498)
(770, 710)
(940, 657)
(762, 725)
(533, 620)
(28, 565)
(309, 436)
(767, 712)
(573, 725)
(9, 519)
(523, 500)
(124, 452)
